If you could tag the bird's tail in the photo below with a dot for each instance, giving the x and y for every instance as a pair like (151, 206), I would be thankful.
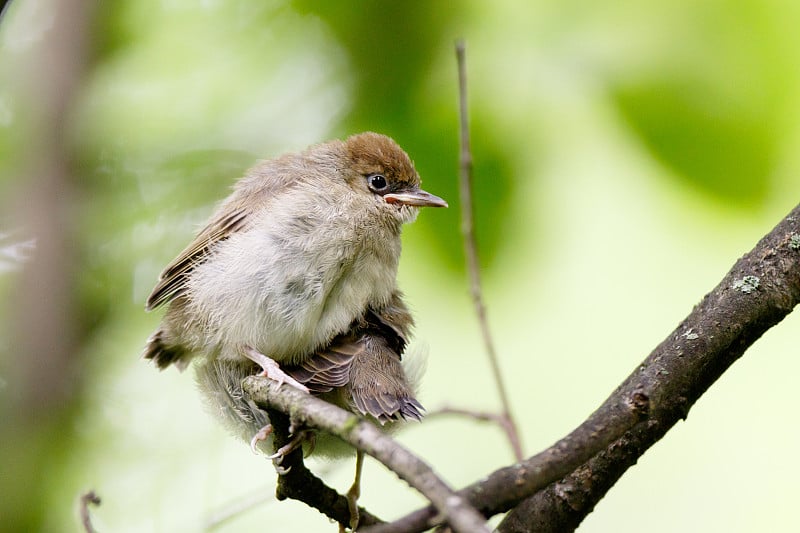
(164, 354)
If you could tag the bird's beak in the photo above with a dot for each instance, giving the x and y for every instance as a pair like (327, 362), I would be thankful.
(415, 197)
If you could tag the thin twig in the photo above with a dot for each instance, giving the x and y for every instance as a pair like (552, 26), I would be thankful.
(481, 416)
(237, 507)
(471, 251)
(86, 499)
(307, 410)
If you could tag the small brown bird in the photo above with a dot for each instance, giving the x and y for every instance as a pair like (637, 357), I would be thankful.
(296, 271)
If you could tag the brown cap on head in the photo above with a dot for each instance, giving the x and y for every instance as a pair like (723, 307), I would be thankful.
(373, 153)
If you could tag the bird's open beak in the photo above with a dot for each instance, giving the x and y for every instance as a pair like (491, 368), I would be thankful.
(415, 197)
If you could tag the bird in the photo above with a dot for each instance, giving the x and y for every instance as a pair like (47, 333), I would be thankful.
(296, 273)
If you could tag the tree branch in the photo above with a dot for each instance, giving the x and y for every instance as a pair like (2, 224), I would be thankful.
(758, 292)
(306, 410)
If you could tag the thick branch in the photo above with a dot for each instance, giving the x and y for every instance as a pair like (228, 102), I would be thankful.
(306, 410)
(506, 487)
(758, 292)
(761, 289)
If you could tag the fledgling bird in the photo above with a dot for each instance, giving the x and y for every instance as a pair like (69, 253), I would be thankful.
(296, 271)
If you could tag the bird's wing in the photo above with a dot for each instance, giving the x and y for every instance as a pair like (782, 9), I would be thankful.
(172, 281)
(329, 368)
(260, 185)
(365, 364)
(368, 370)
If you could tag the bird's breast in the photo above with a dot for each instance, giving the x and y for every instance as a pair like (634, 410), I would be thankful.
(287, 287)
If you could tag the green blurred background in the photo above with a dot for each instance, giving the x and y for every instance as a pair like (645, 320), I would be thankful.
(626, 154)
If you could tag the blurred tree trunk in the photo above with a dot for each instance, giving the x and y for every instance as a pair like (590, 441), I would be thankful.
(42, 369)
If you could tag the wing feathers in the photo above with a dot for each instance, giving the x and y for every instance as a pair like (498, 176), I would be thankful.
(329, 368)
(173, 279)
(365, 363)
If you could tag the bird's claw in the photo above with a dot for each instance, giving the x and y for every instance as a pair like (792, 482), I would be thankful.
(277, 457)
(261, 435)
(312, 443)
(280, 470)
(290, 446)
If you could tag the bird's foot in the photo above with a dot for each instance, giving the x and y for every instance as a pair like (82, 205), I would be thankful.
(352, 505)
(270, 369)
(262, 435)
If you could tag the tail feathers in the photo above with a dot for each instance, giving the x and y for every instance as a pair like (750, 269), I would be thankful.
(378, 384)
(386, 406)
(163, 354)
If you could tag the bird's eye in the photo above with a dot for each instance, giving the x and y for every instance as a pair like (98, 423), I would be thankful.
(377, 182)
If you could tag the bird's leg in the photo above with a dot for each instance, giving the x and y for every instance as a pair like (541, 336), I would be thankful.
(312, 443)
(270, 369)
(355, 491)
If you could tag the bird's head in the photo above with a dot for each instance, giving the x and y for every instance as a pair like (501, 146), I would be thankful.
(382, 171)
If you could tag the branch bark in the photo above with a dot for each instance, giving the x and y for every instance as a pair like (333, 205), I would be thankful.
(758, 292)
(299, 483)
(307, 411)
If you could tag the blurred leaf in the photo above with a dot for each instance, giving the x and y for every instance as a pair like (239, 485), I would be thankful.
(714, 144)
(493, 187)
(712, 108)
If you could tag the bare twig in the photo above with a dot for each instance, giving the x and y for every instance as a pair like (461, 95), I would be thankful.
(309, 411)
(236, 507)
(471, 252)
(87, 499)
(759, 291)
(481, 416)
